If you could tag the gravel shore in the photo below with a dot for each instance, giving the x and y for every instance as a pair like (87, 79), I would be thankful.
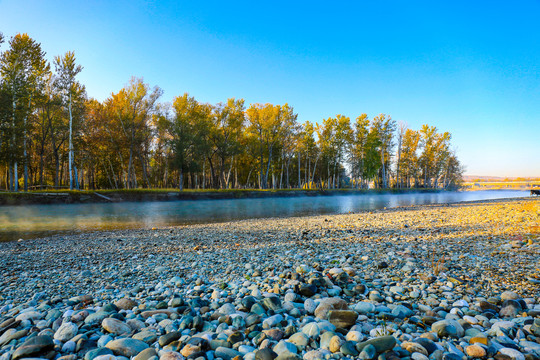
(442, 282)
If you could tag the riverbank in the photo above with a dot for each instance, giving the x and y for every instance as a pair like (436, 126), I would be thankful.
(437, 282)
(142, 195)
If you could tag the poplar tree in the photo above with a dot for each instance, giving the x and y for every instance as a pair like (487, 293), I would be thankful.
(22, 68)
(67, 70)
(358, 152)
(268, 124)
(187, 129)
(225, 135)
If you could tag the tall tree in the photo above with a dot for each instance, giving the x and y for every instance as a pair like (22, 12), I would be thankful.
(22, 67)
(402, 128)
(132, 108)
(385, 127)
(189, 124)
(268, 124)
(359, 149)
(341, 142)
(409, 157)
(67, 70)
(453, 172)
(308, 147)
(225, 135)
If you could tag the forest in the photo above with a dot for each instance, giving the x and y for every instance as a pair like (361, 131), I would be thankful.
(54, 136)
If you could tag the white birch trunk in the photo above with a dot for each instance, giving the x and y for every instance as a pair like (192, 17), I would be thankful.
(70, 145)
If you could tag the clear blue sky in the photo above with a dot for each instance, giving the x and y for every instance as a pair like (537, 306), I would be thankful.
(468, 67)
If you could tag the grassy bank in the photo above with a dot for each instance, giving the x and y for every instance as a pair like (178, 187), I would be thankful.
(87, 196)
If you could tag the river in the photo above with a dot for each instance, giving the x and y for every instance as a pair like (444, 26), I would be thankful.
(31, 221)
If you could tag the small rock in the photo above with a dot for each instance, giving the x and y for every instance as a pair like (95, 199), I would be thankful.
(285, 346)
(328, 304)
(115, 326)
(475, 351)
(127, 347)
(413, 347)
(342, 318)
(368, 352)
(66, 331)
(34, 346)
(125, 304)
(381, 344)
(509, 295)
(265, 354)
(171, 355)
(512, 353)
(146, 354)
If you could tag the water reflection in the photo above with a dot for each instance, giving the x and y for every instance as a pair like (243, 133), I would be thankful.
(42, 220)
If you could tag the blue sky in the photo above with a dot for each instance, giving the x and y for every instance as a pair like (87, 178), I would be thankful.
(467, 67)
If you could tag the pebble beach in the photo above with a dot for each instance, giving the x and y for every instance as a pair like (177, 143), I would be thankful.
(440, 282)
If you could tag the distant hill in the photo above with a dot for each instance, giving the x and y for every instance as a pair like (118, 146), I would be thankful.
(470, 178)
(485, 178)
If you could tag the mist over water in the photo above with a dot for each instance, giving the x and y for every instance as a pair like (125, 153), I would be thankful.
(32, 221)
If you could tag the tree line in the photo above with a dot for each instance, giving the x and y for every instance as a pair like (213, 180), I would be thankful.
(53, 135)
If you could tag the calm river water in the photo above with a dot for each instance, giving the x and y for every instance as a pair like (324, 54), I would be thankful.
(31, 221)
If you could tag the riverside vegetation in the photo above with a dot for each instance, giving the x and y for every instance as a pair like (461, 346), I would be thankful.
(441, 282)
(52, 134)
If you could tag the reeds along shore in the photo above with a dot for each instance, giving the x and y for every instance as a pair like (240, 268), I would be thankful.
(428, 282)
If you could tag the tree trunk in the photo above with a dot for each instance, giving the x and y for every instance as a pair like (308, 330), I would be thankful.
(41, 165)
(288, 184)
(204, 175)
(299, 175)
(261, 175)
(76, 178)
(308, 172)
(249, 175)
(398, 174)
(227, 179)
(212, 174)
(281, 174)
(145, 172)
(57, 167)
(15, 177)
(314, 169)
(383, 169)
(222, 172)
(181, 180)
(70, 144)
(130, 167)
(11, 178)
(236, 175)
(268, 167)
(15, 180)
(25, 158)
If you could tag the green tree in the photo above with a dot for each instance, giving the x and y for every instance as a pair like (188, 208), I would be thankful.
(22, 68)
(190, 124)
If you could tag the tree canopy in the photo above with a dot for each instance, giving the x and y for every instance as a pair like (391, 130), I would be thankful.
(64, 139)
